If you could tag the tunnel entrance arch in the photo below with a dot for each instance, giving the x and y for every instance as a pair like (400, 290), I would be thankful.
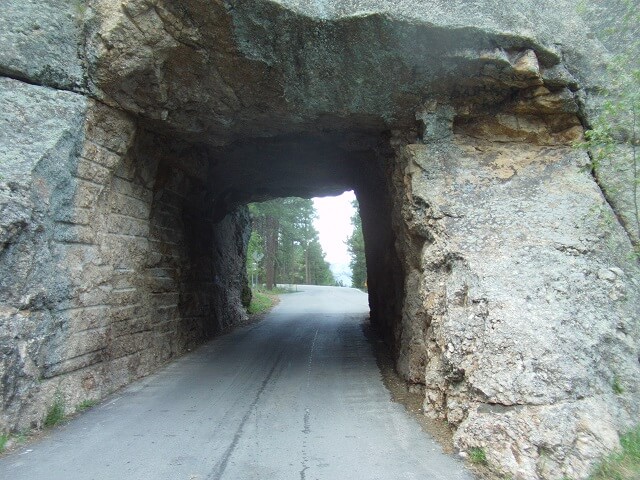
(197, 214)
(124, 236)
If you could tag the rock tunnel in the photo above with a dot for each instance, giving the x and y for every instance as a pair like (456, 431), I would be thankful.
(327, 163)
(175, 216)
(498, 264)
(150, 229)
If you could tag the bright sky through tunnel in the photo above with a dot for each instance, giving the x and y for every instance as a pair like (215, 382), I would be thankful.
(334, 228)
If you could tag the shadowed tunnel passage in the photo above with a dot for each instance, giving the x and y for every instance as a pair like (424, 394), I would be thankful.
(223, 180)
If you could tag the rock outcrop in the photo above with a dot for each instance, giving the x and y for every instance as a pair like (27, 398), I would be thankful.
(135, 131)
(528, 303)
(112, 265)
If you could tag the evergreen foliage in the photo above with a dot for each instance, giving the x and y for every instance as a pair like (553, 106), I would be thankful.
(355, 245)
(284, 245)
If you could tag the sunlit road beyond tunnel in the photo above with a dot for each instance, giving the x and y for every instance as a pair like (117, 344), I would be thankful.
(296, 396)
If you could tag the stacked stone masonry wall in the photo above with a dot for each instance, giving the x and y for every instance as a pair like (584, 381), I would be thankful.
(145, 274)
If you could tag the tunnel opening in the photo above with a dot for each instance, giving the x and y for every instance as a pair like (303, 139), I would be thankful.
(286, 248)
(309, 166)
(192, 265)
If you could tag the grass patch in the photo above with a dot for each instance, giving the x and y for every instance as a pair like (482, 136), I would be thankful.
(85, 405)
(624, 465)
(261, 302)
(55, 414)
(478, 456)
(10, 440)
(616, 386)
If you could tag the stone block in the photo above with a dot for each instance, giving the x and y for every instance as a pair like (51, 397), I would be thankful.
(42, 42)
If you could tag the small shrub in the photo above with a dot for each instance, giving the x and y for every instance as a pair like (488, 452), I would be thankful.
(624, 465)
(85, 405)
(3, 442)
(478, 456)
(55, 414)
(616, 386)
(260, 302)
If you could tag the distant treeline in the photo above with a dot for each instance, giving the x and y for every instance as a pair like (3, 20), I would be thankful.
(284, 245)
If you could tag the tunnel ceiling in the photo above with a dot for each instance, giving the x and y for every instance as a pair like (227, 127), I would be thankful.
(301, 166)
(218, 72)
(260, 169)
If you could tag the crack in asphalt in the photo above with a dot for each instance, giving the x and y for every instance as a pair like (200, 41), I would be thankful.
(218, 471)
(307, 414)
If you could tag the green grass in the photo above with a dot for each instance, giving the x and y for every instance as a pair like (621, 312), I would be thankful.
(55, 414)
(478, 456)
(7, 440)
(85, 405)
(616, 386)
(260, 302)
(624, 465)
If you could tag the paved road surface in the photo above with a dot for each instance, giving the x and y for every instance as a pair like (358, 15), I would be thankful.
(295, 397)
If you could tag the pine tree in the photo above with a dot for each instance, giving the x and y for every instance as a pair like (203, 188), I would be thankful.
(289, 242)
(355, 245)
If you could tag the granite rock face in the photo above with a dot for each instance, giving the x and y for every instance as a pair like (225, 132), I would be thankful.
(41, 135)
(42, 42)
(528, 305)
(112, 262)
(225, 70)
(133, 133)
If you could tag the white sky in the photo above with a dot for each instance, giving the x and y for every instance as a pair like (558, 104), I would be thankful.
(334, 226)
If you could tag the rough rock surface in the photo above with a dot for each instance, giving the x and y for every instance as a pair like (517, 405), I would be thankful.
(42, 130)
(529, 306)
(134, 131)
(42, 42)
(115, 265)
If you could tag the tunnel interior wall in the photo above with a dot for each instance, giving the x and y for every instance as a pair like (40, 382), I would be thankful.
(385, 271)
(130, 269)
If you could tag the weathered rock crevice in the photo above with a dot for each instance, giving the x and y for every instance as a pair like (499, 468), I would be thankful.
(612, 173)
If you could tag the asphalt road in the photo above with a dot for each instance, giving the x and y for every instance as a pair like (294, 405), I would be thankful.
(297, 396)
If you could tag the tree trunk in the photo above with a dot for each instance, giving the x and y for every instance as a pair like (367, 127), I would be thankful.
(271, 240)
(306, 266)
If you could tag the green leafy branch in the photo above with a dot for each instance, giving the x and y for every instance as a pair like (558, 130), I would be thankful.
(613, 136)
